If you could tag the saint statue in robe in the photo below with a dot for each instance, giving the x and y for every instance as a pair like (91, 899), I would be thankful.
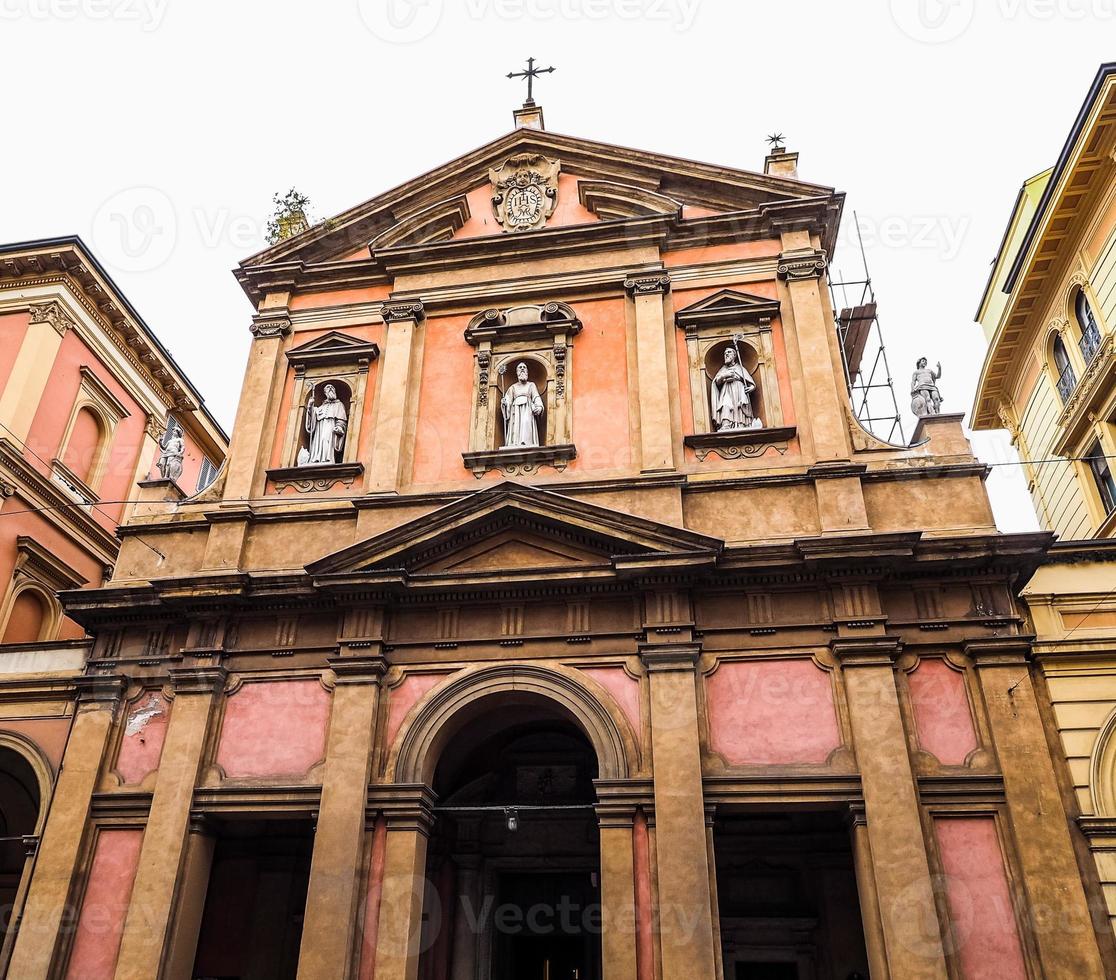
(171, 454)
(326, 423)
(521, 405)
(731, 394)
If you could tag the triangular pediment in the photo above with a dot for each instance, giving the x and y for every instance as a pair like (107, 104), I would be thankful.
(611, 183)
(510, 530)
(333, 347)
(728, 304)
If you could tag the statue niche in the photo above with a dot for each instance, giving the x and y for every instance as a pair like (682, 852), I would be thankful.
(520, 417)
(734, 392)
(522, 405)
(325, 423)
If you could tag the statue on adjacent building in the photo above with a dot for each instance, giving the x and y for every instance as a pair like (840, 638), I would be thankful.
(172, 451)
(925, 397)
(731, 394)
(326, 425)
(521, 406)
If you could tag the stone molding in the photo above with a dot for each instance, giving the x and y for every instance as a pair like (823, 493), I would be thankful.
(401, 311)
(801, 265)
(647, 283)
(198, 680)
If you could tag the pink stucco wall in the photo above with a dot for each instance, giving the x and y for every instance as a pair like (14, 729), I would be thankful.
(941, 709)
(771, 712)
(105, 904)
(145, 730)
(623, 688)
(274, 728)
(405, 696)
(979, 898)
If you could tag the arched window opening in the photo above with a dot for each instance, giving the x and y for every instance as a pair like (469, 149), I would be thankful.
(1067, 379)
(84, 444)
(19, 818)
(28, 619)
(1087, 323)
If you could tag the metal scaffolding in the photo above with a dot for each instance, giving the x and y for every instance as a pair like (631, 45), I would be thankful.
(864, 354)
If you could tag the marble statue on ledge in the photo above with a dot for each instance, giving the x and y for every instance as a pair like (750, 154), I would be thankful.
(521, 406)
(171, 454)
(926, 400)
(326, 425)
(731, 392)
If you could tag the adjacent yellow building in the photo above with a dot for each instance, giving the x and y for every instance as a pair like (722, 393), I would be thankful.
(1049, 312)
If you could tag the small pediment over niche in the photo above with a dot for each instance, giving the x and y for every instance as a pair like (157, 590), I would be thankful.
(438, 223)
(511, 529)
(333, 348)
(728, 306)
(609, 201)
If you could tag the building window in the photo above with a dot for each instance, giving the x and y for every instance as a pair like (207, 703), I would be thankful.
(1101, 466)
(1067, 380)
(207, 475)
(1090, 335)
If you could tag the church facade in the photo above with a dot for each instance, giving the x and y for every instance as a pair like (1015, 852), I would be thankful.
(553, 617)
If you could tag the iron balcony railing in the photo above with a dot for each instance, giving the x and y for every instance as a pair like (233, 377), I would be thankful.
(1067, 381)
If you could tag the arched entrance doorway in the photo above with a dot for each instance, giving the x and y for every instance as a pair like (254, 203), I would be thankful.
(20, 803)
(514, 857)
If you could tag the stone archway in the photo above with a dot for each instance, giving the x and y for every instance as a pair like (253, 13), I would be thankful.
(470, 694)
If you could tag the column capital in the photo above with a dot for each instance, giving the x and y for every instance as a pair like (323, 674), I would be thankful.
(400, 310)
(106, 689)
(405, 806)
(1000, 651)
(358, 669)
(53, 313)
(857, 815)
(271, 323)
(801, 264)
(647, 283)
(659, 657)
(869, 651)
(198, 680)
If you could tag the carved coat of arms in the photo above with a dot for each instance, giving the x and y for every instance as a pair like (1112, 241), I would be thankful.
(525, 191)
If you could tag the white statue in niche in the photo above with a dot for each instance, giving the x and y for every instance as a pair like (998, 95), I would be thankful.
(731, 394)
(171, 454)
(326, 423)
(521, 405)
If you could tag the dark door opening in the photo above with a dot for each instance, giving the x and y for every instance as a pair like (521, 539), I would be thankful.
(545, 935)
(252, 924)
(514, 857)
(787, 895)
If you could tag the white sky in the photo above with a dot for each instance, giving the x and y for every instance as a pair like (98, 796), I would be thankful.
(158, 130)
